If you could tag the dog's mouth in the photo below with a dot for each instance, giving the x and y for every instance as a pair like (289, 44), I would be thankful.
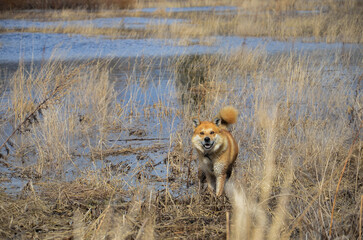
(208, 145)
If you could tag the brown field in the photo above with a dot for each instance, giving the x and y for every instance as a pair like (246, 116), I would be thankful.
(87, 157)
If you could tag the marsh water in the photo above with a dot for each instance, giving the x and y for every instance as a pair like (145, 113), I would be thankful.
(38, 46)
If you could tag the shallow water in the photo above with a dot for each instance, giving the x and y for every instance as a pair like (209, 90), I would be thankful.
(38, 46)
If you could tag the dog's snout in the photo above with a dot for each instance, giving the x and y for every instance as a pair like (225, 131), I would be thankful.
(206, 139)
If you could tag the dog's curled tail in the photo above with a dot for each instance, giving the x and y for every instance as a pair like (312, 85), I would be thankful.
(228, 115)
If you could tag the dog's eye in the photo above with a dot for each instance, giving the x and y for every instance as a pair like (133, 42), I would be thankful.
(211, 132)
(201, 133)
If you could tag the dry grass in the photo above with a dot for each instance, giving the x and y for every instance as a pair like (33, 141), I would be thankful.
(298, 116)
(90, 31)
(342, 24)
(103, 157)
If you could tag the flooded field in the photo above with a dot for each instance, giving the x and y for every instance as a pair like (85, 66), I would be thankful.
(95, 127)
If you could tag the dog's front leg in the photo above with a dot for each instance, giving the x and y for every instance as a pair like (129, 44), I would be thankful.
(207, 167)
(220, 173)
(221, 179)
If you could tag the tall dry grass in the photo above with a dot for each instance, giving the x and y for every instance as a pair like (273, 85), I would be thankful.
(328, 22)
(63, 98)
(294, 127)
(112, 158)
(299, 134)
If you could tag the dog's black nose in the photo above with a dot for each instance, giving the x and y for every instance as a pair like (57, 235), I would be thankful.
(206, 139)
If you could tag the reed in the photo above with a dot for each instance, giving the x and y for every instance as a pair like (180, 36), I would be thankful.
(101, 154)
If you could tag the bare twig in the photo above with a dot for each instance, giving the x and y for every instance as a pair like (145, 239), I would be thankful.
(191, 159)
(141, 230)
(53, 94)
(40, 105)
(227, 226)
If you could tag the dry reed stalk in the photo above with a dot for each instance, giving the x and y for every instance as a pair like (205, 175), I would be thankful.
(100, 223)
(242, 219)
(279, 217)
(228, 231)
(360, 217)
(356, 137)
(141, 230)
(78, 225)
(268, 125)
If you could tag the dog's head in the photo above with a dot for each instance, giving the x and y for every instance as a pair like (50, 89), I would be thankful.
(206, 137)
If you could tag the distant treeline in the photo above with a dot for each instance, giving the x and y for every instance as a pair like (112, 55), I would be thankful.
(64, 4)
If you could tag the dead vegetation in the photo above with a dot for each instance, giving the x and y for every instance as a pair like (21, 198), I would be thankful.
(82, 158)
(100, 163)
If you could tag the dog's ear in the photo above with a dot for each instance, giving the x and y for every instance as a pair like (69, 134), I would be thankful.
(196, 122)
(217, 121)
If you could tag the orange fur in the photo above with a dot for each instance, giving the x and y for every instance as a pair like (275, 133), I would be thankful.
(216, 147)
(228, 114)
